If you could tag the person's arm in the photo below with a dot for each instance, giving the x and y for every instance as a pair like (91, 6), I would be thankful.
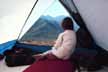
(46, 55)
(49, 52)
(58, 41)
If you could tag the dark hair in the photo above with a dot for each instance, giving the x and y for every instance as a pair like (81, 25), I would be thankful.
(67, 23)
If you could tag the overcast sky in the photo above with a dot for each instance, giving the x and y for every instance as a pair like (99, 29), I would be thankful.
(56, 9)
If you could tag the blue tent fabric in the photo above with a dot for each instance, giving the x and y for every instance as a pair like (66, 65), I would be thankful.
(7, 46)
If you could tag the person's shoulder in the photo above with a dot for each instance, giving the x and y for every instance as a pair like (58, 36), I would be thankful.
(69, 32)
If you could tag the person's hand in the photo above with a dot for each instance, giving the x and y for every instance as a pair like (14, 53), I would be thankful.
(51, 56)
(40, 57)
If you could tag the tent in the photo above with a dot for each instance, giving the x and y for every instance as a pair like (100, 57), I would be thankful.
(14, 15)
(94, 16)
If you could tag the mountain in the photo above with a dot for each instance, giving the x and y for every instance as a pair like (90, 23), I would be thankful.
(46, 28)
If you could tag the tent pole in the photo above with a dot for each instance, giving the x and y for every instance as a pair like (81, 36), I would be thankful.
(27, 19)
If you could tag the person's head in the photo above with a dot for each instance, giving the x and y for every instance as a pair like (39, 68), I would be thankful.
(67, 23)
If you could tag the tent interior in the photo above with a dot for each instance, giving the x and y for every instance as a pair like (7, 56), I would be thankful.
(35, 24)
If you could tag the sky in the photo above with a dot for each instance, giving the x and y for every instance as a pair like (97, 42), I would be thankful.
(14, 13)
(56, 9)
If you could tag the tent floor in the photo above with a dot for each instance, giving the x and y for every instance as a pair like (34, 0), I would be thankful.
(4, 68)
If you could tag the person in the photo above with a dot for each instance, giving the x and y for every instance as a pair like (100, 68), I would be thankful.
(64, 45)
